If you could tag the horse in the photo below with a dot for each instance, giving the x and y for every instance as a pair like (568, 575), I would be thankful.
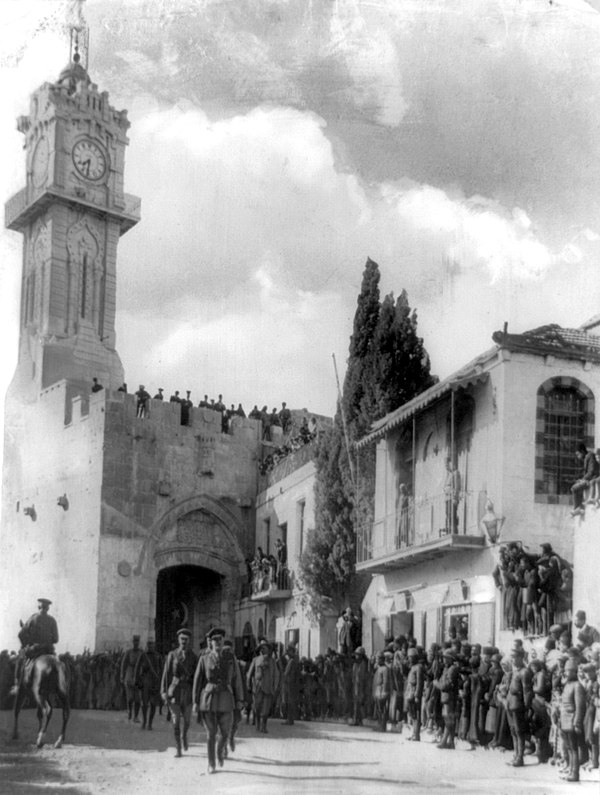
(49, 677)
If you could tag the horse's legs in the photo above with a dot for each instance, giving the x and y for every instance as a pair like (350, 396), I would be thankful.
(62, 692)
(44, 713)
(19, 699)
(66, 711)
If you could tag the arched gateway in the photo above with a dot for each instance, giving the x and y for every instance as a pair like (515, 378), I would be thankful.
(198, 565)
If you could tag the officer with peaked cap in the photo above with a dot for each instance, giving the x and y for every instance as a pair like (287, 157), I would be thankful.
(217, 691)
(38, 636)
(176, 687)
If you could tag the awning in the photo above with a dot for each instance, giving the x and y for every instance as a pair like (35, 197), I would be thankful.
(460, 380)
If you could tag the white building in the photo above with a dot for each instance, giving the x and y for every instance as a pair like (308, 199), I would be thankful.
(511, 420)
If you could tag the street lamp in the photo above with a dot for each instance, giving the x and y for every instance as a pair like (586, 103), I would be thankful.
(491, 522)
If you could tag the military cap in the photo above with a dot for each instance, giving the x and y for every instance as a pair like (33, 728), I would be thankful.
(185, 632)
(228, 643)
(263, 642)
(546, 547)
(359, 651)
(215, 632)
(45, 602)
(412, 653)
(488, 650)
(291, 649)
(518, 651)
(389, 655)
(496, 657)
(380, 658)
(555, 628)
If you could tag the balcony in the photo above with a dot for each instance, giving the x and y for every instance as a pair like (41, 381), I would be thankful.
(269, 585)
(424, 529)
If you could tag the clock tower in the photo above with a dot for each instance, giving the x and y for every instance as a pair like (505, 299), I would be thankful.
(71, 213)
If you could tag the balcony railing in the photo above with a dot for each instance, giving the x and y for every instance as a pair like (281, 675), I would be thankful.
(269, 582)
(420, 521)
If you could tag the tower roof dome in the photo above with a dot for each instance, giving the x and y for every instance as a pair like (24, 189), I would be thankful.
(73, 73)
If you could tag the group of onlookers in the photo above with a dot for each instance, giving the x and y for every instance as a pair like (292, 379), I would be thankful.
(268, 571)
(307, 433)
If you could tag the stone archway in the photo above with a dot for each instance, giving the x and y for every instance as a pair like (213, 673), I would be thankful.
(198, 568)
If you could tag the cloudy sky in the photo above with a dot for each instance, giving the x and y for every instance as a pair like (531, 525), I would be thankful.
(276, 145)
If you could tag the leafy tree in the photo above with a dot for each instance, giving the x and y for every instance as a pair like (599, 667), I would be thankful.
(387, 366)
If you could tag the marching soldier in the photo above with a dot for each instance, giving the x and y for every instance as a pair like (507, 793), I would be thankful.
(447, 684)
(263, 681)
(217, 691)
(147, 675)
(132, 694)
(176, 687)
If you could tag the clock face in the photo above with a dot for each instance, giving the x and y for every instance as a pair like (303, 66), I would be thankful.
(89, 159)
(39, 164)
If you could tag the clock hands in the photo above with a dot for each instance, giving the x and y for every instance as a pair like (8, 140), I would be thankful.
(85, 165)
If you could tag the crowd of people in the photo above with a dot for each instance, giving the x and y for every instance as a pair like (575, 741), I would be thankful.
(268, 571)
(307, 433)
(536, 590)
(543, 701)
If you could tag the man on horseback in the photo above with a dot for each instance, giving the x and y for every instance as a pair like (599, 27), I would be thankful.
(38, 636)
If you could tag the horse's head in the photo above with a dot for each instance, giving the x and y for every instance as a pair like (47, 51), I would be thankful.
(24, 634)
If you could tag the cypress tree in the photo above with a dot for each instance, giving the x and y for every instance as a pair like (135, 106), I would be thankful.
(387, 366)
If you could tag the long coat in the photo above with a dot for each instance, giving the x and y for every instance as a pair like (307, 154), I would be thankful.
(217, 682)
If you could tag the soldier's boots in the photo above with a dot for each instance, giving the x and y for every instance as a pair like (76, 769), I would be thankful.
(177, 742)
(184, 740)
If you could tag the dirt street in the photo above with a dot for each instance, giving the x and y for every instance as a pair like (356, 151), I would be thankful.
(106, 754)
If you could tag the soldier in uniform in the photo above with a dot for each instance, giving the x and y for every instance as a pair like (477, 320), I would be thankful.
(518, 703)
(263, 680)
(38, 636)
(413, 693)
(176, 687)
(132, 694)
(572, 711)
(447, 684)
(217, 691)
(147, 675)
(360, 683)
(290, 686)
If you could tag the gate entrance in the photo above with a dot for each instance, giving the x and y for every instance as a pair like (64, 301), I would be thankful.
(186, 596)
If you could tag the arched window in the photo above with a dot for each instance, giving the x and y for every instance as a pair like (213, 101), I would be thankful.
(565, 416)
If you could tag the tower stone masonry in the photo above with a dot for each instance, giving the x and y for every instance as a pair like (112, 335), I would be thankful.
(128, 524)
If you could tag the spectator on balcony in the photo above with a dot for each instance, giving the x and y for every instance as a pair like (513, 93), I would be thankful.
(255, 413)
(142, 401)
(159, 395)
(403, 517)
(452, 496)
(122, 388)
(304, 431)
(274, 419)
(240, 411)
(96, 386)
(204, 404)
(589, 471)
(175, 398)
(281, 552)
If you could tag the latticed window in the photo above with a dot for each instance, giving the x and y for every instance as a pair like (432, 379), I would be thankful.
(564, 427)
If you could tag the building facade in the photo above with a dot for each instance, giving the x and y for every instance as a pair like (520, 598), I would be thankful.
(129, 521)
(482, 462)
